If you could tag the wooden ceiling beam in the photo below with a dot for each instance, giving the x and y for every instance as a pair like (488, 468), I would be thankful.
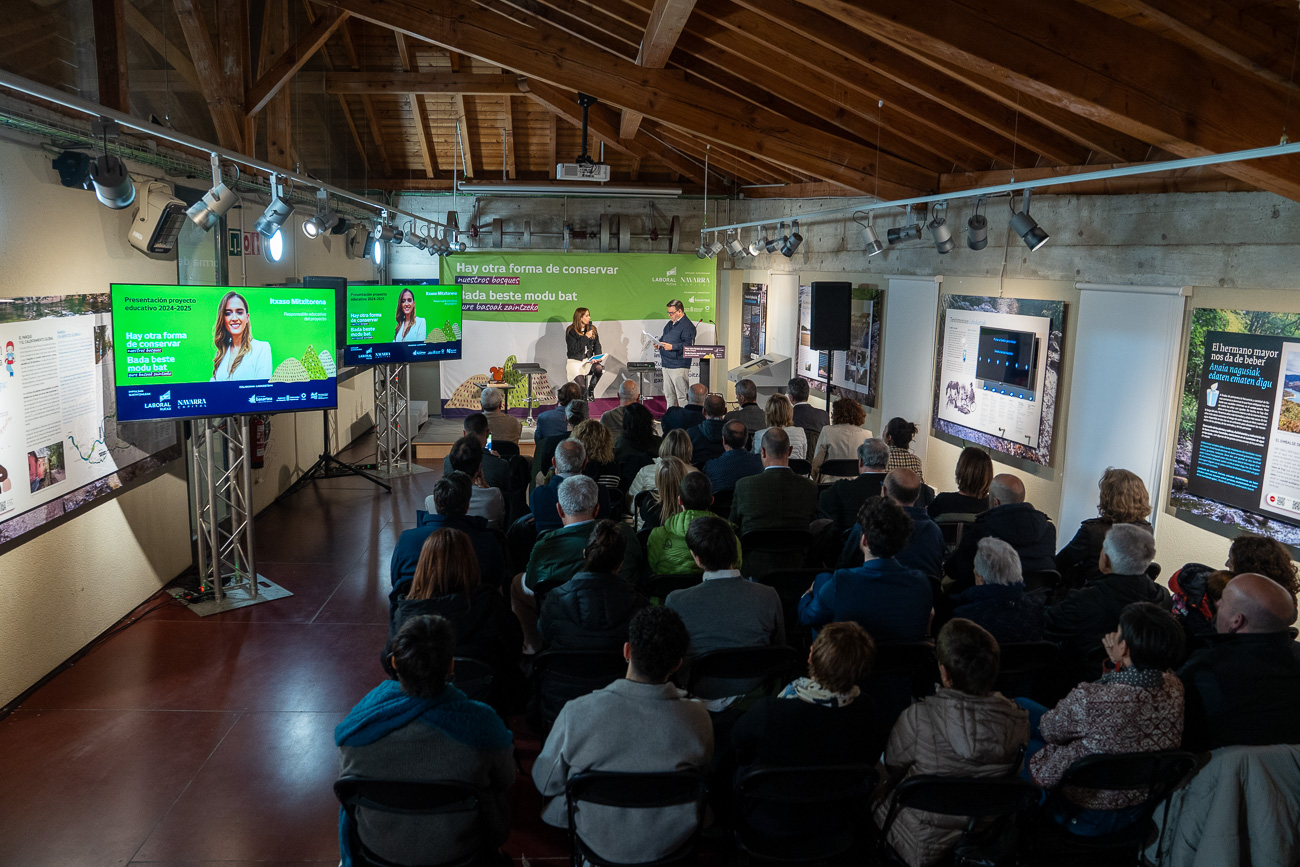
(667, 19)
(552, 144)
(1107, 70)
(367, 104)
(343, 100)
(743, 167)
(419, 115)
(224, 107)
(110, 54)
(173, 55)
(292, 59)
(508, 142)
(279, 117)
(544, 52)
(426, 83)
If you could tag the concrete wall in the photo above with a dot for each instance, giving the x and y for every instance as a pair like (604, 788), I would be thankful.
(62, 587)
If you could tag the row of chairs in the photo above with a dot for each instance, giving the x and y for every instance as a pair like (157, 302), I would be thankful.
(825, 812)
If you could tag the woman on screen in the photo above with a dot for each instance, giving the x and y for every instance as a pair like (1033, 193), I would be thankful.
(583, 342)
(239, 357)
(410, 328)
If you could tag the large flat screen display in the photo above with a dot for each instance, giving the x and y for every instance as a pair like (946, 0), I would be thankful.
(403, 323)
(194, 351)
(1007, 357)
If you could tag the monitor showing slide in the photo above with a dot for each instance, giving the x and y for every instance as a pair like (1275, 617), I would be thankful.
(403, 323)
(1007, 357)
(194, 351)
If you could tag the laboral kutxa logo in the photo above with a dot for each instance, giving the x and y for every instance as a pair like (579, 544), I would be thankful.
(669, 277)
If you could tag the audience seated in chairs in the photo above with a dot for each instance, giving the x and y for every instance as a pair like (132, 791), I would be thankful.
(569, 460)
(963, 730)
(898, 435)
(925, 547)
(1243, 687)
(974, 475)
(504, 427)
(421, 728)
(601, 466)
(726, 610)
(1190, 585)
(776, 498)
(592, 609)
(1012, 520)
(575, 413)
(780, 413)
(668, 551)
(640, 724)
(496, 471)
(1084, 617)
(998, 601)
(806, 416)
(736, 462)
(638, 442)
(688, 416)
(654, 507)
(841, 501)
(1136, 708)
(485, 501)
(706, 437)
(749, 412)
(675, 444)
(447, 583)
(892, 602)
(555, 422)
(839, 441)
(1124, 500)
(451, 496)
(559, 554)
(628, 393)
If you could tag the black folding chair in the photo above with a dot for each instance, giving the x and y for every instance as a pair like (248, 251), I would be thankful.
(456, 801)
(559, 676)
(633, 792)
(1020, 662)
(1156, 774)
(473, 677)
(801, 467)
(952, 525)
(900, 673)
(1042, 584)
(722, 503)
(977, 797)
(506, 449)
(765, 550)
(847, 468)
(660, 586)
(741, 670)
(790, 585)
(819, 809)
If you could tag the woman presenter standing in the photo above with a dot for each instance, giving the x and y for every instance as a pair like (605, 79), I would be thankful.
(239, 356)
(583, 344)
(410, 328)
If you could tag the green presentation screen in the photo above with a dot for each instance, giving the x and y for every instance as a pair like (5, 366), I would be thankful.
(397, 324)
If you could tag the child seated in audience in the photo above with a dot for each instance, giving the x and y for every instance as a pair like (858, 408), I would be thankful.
(1136, 708)
(964, 730)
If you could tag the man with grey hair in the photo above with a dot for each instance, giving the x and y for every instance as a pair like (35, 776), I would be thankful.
(842, 500)
(998, 601)
(574, 413)
(504, 427)
(1012, 520)
(1084, 617)
(1243, 687)
(569, 460)
(628, 393)
(558, 553)
(777, 498)
(750, 412)
(684, 417)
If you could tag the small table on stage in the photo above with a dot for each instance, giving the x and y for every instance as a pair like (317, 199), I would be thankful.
(504, 388)
(705, 352)
(528, 369)
(641, 368)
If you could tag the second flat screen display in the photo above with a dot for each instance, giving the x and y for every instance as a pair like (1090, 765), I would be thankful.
(400, 324)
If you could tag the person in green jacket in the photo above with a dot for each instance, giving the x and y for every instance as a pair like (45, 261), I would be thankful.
(667, 551)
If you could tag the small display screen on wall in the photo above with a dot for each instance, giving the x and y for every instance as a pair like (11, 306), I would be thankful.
(1006, 357)
(403, 323)
(195, 351)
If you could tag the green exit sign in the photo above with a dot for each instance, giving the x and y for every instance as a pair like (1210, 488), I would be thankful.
(236, 245)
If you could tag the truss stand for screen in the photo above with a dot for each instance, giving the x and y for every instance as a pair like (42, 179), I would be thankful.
(329, 467)
(393, 418)
(223, 502)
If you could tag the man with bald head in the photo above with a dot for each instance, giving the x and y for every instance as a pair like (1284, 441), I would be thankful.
(684, 417)
(628, 393)
(1244, 686)
(1012, 520)
(924, 549)
(776, 498)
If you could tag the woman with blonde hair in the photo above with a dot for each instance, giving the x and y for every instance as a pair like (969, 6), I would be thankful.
(1124, 500)
(601, 466)
(239, 357)
(663, 504)
(840, 439)
(779, 412)
(675, 444)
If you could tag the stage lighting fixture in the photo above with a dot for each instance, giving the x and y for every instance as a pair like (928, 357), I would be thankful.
(276, 213)
(735, 249)
(1026, 226)
(208, 211)
(73, 168)
(709, 249)
(458, 247)
(774, 243)
(977, 229)
(939, 230)
(273, 247)
(157, 221)
(909, 231)
(324, 221)
(358, 237)
(112, 182)
(375, 250)
(756, 246)
(870, 239)
(792, 241)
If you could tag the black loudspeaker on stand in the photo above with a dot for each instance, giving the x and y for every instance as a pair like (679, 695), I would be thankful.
(831, 303)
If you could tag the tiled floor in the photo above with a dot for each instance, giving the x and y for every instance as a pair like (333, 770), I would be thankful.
(205, 741)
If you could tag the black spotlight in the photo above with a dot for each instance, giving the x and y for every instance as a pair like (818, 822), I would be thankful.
(74, 169)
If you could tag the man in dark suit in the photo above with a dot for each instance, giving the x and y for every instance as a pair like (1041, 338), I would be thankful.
(569, 459)
(842, 500)
(451, 495)
(750, 412)
(706, 437)
(1012, 520)
(736, 462)
(684, 417)
(496, 472)
(806, 416)
(777, 498)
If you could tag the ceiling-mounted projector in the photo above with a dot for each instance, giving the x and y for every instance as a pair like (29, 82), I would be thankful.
(157, 222)
(582, 172)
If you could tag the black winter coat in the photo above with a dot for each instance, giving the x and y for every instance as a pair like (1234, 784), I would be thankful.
(590, 611)
(1021, 526)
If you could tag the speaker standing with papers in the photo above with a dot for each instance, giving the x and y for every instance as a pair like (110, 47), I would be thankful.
(678, 333)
